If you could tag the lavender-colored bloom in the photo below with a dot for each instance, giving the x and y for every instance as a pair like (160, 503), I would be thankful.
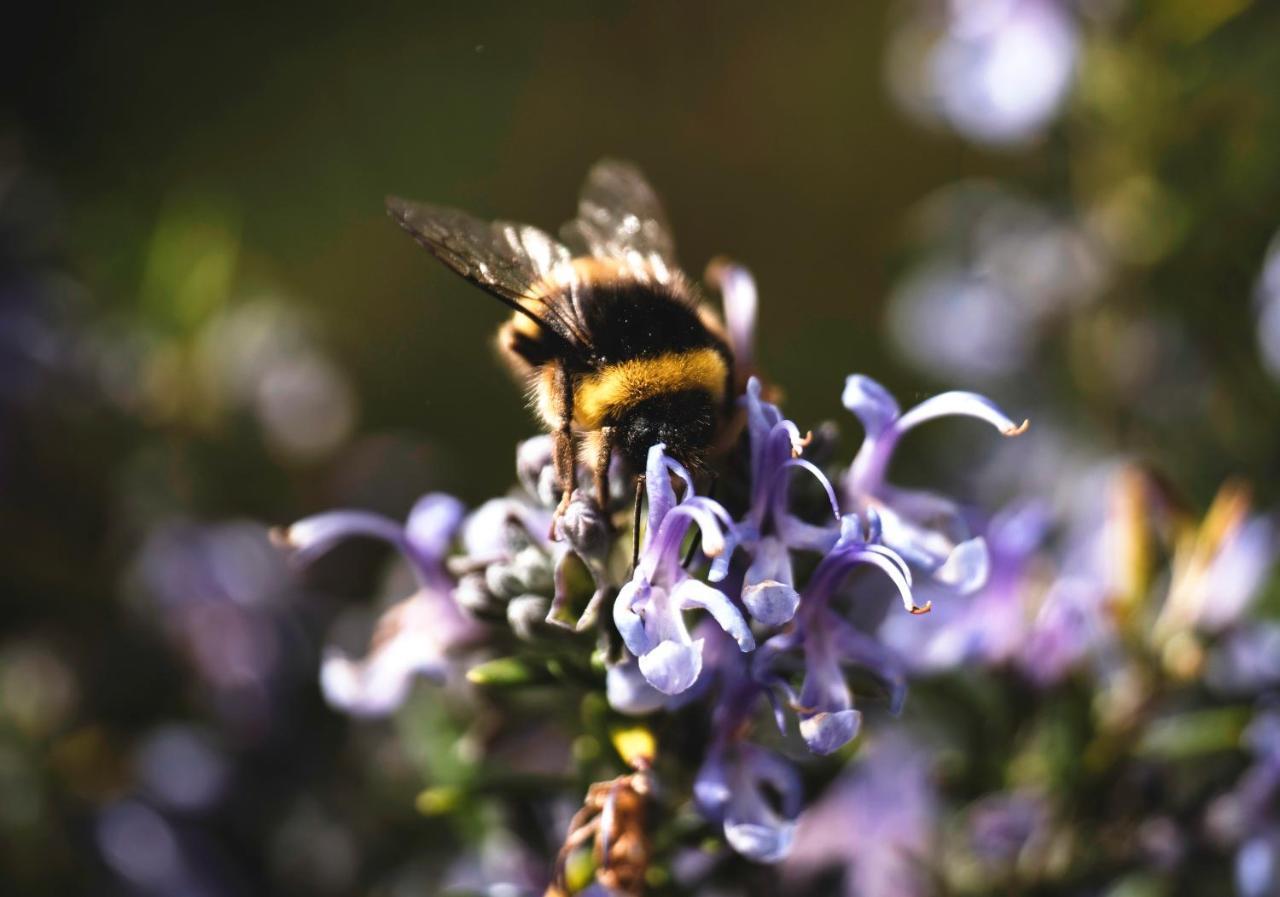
(1218, 574)
(649, 609)
(1002, 825)
(825, 643)
(877, 821)
(220, 592)
(769, 531)
(414, 636)
(994, 270)
(997, 70)
(1258, 865)
(730, 790)
(629, 692)
(1073, 624)
(1267, 301)
(925, 529)
(1247, 661)
(1246, 817)
(990, 627)
(738, 292)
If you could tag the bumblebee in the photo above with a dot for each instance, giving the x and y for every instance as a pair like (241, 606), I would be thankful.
(617, 349)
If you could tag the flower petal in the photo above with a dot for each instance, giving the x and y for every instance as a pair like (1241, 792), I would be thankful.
(871, 402)
(671, 667)
(966, 568)
(833, 569)
(692, 594)
(964, 404)
(711, 788)
(313, 536)
(629, 623)
(827, 732)
(797, 533)
(628, 692)
(738, 293)
(658, 487)
(403, 647)
(771, 602)
(431, 525)
(662, 555)
(768, 587)
(763, 842)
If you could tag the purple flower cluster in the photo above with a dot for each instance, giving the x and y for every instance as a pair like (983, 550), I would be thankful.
(767, 637)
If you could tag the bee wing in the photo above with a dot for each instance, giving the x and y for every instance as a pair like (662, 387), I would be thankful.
(508, 261)
(621, 219)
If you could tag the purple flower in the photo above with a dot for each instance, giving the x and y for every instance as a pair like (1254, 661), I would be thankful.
(769, 531)
(877, 820)
(629, 692)
(1246, 817)
(649, 609)
(414, 636)
(996, 72)
(1219, 568)
(991, 626)
(734, 781)
(1072, 626)
(925, 529)
(1001, 825)
(732, 788)
(825, 643)
(1247, 660)
(221, 593)
(738, 294)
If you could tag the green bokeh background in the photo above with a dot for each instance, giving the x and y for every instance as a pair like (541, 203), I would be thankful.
(767, 131)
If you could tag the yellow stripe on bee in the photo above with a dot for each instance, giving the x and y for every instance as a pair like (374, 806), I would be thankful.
(602, 396)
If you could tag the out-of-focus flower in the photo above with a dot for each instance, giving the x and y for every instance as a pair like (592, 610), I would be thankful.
(925, 529)
(990, 627)
(1247, 817)
(1002, 825)
(649, 609)
(629, 692)
(217, 590)
(769, 531)
(1267, 300)
(1217, 567)
(182, 768)
(825, 643)
(877, 822)
(1247, 660)
(1072, 623)
(995, 70)
(415, 635)
(732, 789)
(731, 785)
(140, 846)
(738, 293)
(994, 271)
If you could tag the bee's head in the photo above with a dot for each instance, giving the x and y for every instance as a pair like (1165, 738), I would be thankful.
(683, 421)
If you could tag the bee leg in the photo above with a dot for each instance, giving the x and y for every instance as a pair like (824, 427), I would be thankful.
(604, 453)
(562, 458)
(563, 450)
(635, 524)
